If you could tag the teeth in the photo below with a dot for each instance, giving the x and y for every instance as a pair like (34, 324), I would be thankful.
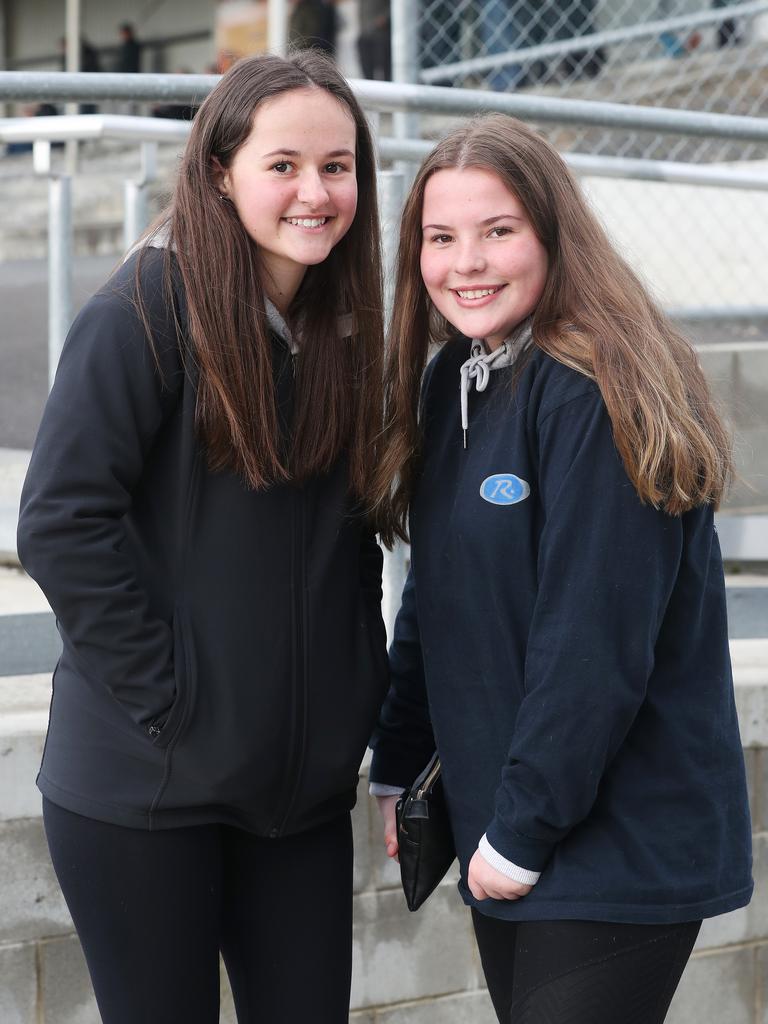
(478, 293)
(307, 222)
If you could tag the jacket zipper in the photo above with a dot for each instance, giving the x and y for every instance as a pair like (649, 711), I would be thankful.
(299, 733)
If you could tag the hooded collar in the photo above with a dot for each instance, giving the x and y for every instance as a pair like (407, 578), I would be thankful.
(482, 360)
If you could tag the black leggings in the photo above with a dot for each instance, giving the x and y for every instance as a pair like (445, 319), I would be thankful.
(582, 972)
(153, 910)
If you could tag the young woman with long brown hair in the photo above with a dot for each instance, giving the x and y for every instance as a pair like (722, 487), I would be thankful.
(195, 513)
(562, 640)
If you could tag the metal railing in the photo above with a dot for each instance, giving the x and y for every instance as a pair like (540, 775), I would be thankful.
(391, 96)
(375, 96)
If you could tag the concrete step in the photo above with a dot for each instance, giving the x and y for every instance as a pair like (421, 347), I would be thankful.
(30, 643)
(402, 962)
(13, 468)
(24, 701)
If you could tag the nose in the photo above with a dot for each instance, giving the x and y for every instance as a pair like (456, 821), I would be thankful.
(312, 192)
(469, 259)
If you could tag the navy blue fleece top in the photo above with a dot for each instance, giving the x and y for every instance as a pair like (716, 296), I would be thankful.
(565, 646)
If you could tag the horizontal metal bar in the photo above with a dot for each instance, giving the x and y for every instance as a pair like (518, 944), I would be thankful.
(588, 164)
(93, 126)
(720, 313)
(404, 149)
(151, 129)
(436, 100)
(19, 85)
(733, 348)
(592, 41)
(85, 85)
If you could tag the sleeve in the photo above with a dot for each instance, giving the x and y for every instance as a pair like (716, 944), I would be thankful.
(606, 568)
(403, 741)
(106, 407)
(506, 867)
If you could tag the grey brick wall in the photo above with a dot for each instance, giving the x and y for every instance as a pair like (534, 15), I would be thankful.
(408, 968)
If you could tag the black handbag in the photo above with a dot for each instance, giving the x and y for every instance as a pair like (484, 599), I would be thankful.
(424, 836)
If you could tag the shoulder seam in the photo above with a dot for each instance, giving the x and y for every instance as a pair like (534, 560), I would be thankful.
(569, 401)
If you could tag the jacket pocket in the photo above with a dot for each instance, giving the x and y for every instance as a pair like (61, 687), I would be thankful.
(167, 728)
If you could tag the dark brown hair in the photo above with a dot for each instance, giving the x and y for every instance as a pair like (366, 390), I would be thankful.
(594, 315)
(338, 387)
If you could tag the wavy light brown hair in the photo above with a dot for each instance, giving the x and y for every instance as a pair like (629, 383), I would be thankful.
(594, 315)
(338, 401)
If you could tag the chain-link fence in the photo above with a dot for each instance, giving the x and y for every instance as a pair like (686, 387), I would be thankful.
(699, 247)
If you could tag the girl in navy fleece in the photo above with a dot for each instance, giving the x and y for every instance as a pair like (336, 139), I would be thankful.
(562, 639)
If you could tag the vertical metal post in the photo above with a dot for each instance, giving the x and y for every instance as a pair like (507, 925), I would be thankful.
(405, 64)
(4, 49)
(72, 63)
(59, 268)
(277, 27)
(391, 185)
(136, 194)
(135, 216)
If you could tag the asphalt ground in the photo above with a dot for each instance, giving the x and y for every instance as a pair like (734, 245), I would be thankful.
(24, 334)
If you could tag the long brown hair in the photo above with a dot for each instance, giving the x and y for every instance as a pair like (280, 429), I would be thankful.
(338, 400)
(594, 315)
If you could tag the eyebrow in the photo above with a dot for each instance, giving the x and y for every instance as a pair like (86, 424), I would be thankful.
(295, 152)
(483, 223)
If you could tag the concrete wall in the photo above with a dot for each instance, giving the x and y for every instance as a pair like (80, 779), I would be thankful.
(408, 968)
(34, 29)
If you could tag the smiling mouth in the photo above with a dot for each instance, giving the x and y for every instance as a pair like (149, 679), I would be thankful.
(468, 294)
(307, 222)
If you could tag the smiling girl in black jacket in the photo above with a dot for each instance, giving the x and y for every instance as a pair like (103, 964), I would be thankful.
(562, 639)
(192, 512)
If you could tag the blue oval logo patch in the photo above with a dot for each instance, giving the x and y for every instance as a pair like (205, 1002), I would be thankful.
(504, 489)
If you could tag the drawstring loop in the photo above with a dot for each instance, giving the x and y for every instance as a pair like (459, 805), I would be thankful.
(480, 363)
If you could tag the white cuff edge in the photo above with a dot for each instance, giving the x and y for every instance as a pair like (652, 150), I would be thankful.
(380, 789)
(506, 867)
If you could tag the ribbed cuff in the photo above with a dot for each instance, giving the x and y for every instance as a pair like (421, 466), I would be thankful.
(380, 789)
(506, 867)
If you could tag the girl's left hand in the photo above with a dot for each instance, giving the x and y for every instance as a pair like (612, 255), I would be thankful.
(486, 882)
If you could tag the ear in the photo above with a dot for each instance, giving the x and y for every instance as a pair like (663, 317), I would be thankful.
(220, 176)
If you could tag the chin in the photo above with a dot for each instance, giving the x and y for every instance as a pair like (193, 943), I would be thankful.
(312, 258)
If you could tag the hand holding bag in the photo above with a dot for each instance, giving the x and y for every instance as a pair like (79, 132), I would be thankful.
(424, 835)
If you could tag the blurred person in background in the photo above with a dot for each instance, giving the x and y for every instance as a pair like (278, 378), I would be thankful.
(129, 51)
(313, 23)
(374, 43)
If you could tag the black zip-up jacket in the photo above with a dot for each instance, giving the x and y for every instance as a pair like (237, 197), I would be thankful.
(565, 647)
(223, 648)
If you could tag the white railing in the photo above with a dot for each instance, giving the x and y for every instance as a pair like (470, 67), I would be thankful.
(375, 96)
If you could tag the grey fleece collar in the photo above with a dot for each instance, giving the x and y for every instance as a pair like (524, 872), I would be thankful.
(279, 326)
(481, 361)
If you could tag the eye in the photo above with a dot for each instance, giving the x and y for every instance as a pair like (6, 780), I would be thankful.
(442, 239)
(334, 168)
(499, 232)
(282, 166)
